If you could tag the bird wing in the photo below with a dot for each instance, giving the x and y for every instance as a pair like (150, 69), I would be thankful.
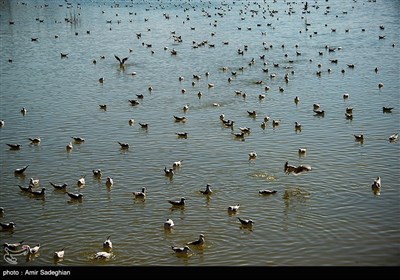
(124, 59)
(118, 58)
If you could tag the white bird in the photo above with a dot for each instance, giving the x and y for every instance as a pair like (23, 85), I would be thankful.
(102, 255)
(2, 122)
(109, 182)
(177, 164)
(69, 147)
(302, 150)
(107, 244)
(34, 182)
(168, 224)
(252, 155)
(246, 222)
(59, 254)
(32, 250)
(12, 246)
(233, 208)
(7, 226)
(81, 181)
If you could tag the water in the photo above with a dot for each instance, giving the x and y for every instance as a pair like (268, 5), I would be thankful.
(331, 218)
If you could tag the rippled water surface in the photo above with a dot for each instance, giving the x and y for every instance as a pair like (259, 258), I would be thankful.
(328, 216)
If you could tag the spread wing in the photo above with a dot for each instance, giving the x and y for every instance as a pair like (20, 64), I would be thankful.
(118, 58)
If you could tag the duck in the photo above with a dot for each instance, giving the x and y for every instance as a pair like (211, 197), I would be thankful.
(296, 99)
(59, 186)
(233, 208)
(102, 255)
(180, 202)
(297, 125)
(144, 125)
(266, 192)
(109, 182)
(168, 224)
(7, 225)
(185, 107)
(252, 113)
(246, 222)
(181, 250)
(197, 242)
(59, 254)
(75, 195)
(103, 107)
(296, 169)
(393, 137)
(376, 185)
(141, 194)
(319, 112)
(245, 129)
(207, 191)
(13, 146)
(124, 145)
(21, 170)
(131, 122)
(107, 244)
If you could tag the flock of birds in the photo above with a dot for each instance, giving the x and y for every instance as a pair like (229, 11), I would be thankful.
(34, 189)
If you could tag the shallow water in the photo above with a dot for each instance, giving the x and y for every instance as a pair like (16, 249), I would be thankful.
(331, 216)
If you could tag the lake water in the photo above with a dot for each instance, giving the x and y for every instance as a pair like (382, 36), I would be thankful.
(328, 216)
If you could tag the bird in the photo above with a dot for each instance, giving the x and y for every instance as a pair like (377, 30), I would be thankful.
(103, 107)
(121, 61)
(23, 111)
(180, 202)
(81, 181)
(131, 122)
(296, 169)
(302, 150)
(297, 125)
(319, 113)
(246, 222)
(2, 123)
(7, 226)
(59, 186)
(102, 255)
(97, 173)
(233, 208)
(35, 140)
(266, 192)
(59, 254)
(177, 164)
(252, 155)
(78, 139)
(14, 146)
(168, 224)
(25, 189)
(169, 172)
(34, 182)
(359, 137)
(393, 137)
(109, 182)
(197, 242)
(75, 195)
(207, 191)
(21, 170)
(107, 244)
(39, 193)
(69, 146)
(181, 250)
(376, 185)
(252, 113)
(144, 125)
(141, 194)
(387, 109)
(12, 246)
(32, 250)
(182, 134)
(180, 119)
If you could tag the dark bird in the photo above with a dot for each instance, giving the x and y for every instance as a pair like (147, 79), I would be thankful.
(59, 186)
(121, 61)
(387, 109)
(266, 192)
(181, 250)
(182, 134)
(7, 226)
(38, 193)
(107, 244)
(78, 139)
(14, 146)
(25, 189)
(180, 119)
(197, 242)
(75, 195)
(12, 246)
(123, 145)
(359, 137)
(296, 169)
(21, 170)
(180, 202)
(246, 222)
(141, 194)
(376, 185)
(207, 191)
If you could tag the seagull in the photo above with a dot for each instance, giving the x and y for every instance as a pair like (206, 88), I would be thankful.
(252, 155)
(14, 146)
(25, 189)
(207, 191)
(59, 186)
(266, 192)
(376, 185)
(393, 137)
(75, 195)
(34, 182)
(302, 150)
(180, 119)
(102, 255)
(21, 170)
(121, 61)
(81, 181)
(359, 137)
(12, 246)
(180, 202)
(7, 226)
(233, 208)
(168, 224)
(32, 250)
(59, 254)
(107, 244)
(177, 164)
(141, 194)
(181, 250)
(109, 182)
(246, 222)
(97, 172)
(78, 139)
(198, 242)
